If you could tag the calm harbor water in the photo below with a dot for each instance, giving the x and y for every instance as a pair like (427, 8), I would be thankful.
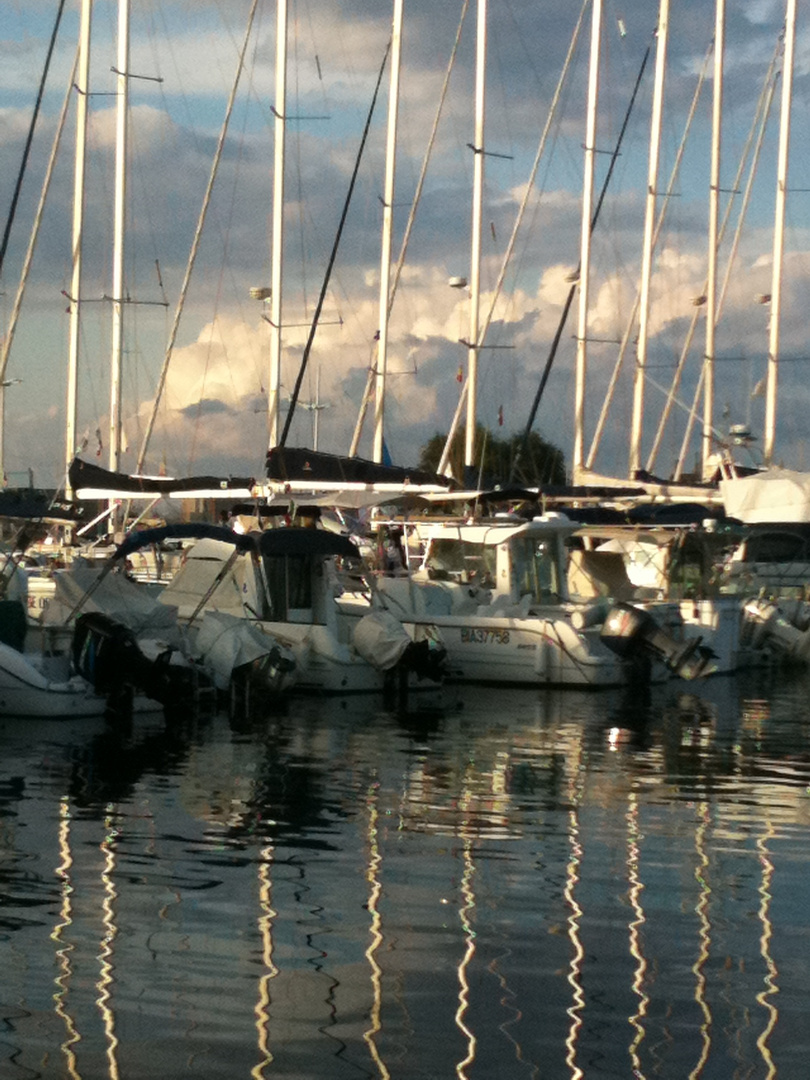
(517, 884)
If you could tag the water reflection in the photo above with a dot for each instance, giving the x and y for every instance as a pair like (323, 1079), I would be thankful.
(570, 885)
(65, 948)
(106, 955)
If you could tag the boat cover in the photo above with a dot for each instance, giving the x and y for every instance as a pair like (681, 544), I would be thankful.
(380, 639)
(225, 642)
(773, 496)
(298, 464)
(91, 481)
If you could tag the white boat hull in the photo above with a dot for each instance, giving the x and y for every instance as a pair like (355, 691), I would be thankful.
(25, 691)
(534, 651)
(327, 666)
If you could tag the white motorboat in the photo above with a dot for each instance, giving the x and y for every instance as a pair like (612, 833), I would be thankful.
(498, 595)
(285, 583)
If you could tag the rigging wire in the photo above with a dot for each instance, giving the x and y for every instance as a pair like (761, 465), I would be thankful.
(332, 257)
(760, 119)
(570, 298)
(420, 183)
(29, 138)
(631, 322)
(196, 241)
(32, 241)
(550, 119)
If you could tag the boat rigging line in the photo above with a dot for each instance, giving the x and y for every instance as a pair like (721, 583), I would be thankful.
(195, 244)
(510, 247)
(29, 138)
(368, 393)
(631, 322)
(571, 292)
(325, 284)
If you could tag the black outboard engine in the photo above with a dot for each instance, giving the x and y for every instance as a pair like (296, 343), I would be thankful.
(426, 659)
(632, 632)
(108, 655)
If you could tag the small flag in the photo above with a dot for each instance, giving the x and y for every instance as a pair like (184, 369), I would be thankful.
(460, 374)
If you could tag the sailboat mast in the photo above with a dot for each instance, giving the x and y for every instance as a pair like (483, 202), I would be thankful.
(585, 243)
(649, 238)
(82, 91)
(388, 223)
(477, 215)
(118, 299)
(277, 255)
(779, 233)
(714, 217)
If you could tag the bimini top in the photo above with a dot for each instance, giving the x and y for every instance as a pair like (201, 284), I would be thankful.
(195, 530)
(292, 540)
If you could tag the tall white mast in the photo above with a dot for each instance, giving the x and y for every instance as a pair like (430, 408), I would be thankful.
(779, 233)
(714, 217)
(277, 255)
(82, 91)
(388, 223)
(649, 238)
(118, 298)
(585, 243)
(477, 214)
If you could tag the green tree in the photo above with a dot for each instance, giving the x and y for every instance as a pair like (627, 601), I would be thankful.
(538, 462)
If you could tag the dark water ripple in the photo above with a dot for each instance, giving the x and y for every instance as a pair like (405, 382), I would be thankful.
(524, 884)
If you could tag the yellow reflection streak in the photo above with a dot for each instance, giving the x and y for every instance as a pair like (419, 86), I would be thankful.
(375, 931)
(63, 953)
(108, 919)
(465, 914)
(771, 986)
(634, 895)
(262, 1008)
(704, 938)
(575, 967)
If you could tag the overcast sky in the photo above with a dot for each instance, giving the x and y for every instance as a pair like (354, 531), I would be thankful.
(213, 417)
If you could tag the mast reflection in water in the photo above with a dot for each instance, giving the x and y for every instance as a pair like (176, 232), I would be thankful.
(572, 885)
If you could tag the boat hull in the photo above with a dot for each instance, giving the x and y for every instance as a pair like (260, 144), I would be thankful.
(25, 691)
(534, 651)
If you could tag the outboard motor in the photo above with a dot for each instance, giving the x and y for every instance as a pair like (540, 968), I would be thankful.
(382, 641)
(768, 626)
(427, 659)
(632, 632)
(108, 655)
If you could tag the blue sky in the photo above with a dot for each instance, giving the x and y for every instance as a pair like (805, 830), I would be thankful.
(213, 414)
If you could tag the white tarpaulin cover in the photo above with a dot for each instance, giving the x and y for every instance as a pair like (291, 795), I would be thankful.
(225, 642)
(116, 596)
(380, 639)
(774, 496)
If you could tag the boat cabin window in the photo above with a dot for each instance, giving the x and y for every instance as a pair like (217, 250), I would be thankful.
(459, 560)
(776, 547)
(536, 569)
(289, 585)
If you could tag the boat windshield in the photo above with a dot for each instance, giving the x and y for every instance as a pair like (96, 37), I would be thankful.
(451, 559)
(535, 569)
